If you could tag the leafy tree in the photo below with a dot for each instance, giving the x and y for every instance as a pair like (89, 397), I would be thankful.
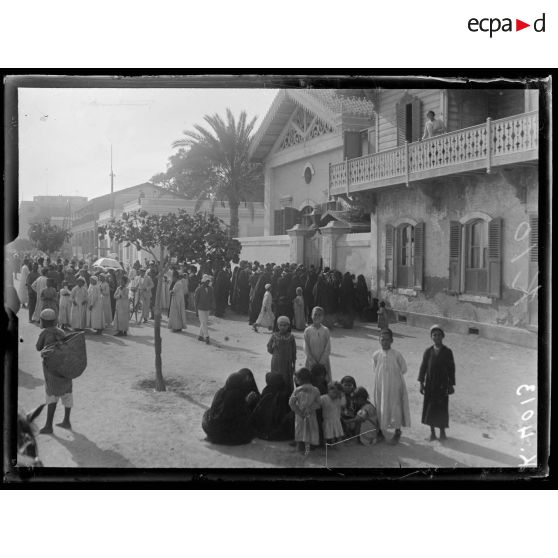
(48, 237)
(217, 162)
(198, 238)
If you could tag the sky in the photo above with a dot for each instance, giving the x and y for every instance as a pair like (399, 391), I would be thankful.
(65, 134)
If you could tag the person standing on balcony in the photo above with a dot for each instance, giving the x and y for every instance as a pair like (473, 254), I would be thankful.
(434, 126)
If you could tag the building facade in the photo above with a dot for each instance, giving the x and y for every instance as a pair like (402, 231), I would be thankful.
(453, 218)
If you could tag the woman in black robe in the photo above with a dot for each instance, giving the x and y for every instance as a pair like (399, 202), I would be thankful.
(311, 279)
(347, 301)
(272, 418)
(284, 301)
(437, 381)
(222, 286)
(243, 290)
(227, 421)
(234, 281)
(361, 296)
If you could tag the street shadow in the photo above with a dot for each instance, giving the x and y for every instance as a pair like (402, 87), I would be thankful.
(26, 380)
(481, 451)
(190, 399)
(138, 339)
(231, 348)
(86, 453)
(104, 339)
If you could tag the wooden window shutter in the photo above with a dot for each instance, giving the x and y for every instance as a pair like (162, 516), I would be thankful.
(419, 256)
(534, 252)
(352, 145)
(455, 257)
(291, 218)
(417, 114)
(278, 227)
(390, 279)
(495, 257)
(400, 120)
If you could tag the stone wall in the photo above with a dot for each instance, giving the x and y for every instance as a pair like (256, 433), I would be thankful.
(265, 249)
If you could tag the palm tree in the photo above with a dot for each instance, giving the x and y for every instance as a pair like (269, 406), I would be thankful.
(219, 164)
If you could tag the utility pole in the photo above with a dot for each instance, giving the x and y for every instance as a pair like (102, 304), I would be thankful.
(111, 197)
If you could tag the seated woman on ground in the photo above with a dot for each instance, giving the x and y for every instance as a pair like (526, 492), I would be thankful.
(227, 421)
(272, 418)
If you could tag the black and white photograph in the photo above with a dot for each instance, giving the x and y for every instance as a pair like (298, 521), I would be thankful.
(227, 274)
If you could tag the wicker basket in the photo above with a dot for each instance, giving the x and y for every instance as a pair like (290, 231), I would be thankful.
(67, 358)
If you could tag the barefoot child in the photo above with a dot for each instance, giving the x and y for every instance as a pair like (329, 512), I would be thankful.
(282, 346)
(305, 401)
(317, 344)
(57, 387)
(331, 413)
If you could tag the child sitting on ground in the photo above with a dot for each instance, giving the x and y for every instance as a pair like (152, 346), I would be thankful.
(366, 418)
(305, 401)
(348, 411)
(332, 403)
(57, 387)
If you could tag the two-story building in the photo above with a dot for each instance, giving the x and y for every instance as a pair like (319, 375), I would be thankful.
(453, 219)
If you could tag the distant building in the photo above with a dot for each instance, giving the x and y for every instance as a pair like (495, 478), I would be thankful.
(58, 209)
(154, 200)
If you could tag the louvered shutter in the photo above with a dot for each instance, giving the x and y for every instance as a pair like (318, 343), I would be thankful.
(534, 244)
(495, 257)
(417, 113)
(390, 280)
(455, 257)
(419, 257)
(400, 119)
(278, 227)
(352, 145)
(291, 218)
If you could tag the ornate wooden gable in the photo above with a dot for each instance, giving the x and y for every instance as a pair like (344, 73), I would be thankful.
(302, 127)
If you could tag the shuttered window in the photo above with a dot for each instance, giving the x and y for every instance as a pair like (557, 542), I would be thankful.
(495, 257)
(419, 257)
(278, 226)
(390, 280)
(408, 115)
(455, 257)
(534, 238)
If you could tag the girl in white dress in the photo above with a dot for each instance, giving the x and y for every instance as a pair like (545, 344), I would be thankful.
(266, 317)
(65, 306)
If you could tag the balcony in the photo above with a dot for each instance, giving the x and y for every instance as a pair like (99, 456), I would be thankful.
(514, 139)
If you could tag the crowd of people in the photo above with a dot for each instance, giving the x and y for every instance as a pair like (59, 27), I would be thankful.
(305, 404)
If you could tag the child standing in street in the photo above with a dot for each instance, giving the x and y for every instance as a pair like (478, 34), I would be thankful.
(382, 316)
(304, 402)
(57, 387)
(331, 413)
(65, 306)
(282, 347)
(299, 311)
(266, 318)
(317, 344)
(348, 412)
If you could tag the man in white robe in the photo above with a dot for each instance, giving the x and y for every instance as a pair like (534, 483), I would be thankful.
(390, 392)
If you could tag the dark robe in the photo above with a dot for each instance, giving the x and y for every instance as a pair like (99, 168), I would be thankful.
(309, 292)
(253, 307)
(31, 278)
(272, 418)
(243, 290)
(256, 303)
(227, 421)
(438, 374)
(361, 296)
(346, 302)
(222, 286)
(284, 301)
(234, 281)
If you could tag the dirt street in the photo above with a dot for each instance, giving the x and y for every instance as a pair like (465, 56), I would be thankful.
(120, 421)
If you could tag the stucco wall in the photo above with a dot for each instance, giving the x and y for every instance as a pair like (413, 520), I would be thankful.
(353, 254)
(266, 249)
(439, 205)
(288, 180)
